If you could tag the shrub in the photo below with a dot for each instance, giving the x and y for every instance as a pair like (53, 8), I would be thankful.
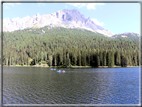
(43, 62)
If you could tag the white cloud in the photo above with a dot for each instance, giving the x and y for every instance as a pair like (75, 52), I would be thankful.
(7, 5)
(87, 5)
(97, 22)
(93, 5)
(79, 5)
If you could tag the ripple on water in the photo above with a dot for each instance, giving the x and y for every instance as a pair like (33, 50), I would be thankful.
(77, 86)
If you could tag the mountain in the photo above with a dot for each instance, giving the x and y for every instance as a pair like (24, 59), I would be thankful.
(127, 35)
(63, 18)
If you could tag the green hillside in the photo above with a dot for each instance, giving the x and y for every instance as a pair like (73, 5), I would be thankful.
(66, 47)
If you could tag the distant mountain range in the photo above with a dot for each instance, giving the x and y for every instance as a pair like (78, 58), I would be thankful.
(64, 18)
(127, 35)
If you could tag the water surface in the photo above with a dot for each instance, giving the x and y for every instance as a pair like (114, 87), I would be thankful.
(33, 85)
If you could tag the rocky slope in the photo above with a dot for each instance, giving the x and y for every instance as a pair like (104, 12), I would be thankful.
(64, 18)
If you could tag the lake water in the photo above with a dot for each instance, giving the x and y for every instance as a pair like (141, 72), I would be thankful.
(35, 85)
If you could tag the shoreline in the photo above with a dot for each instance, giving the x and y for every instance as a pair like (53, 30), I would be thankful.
(70, 67)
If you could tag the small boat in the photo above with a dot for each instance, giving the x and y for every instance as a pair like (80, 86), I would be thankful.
(61, 71)
(52, 69)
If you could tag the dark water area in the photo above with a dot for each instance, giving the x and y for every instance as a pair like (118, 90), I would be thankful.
(35, 85)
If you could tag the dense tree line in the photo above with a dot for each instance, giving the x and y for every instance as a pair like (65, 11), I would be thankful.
(65, 47)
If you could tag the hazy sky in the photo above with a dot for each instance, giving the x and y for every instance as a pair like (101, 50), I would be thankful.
(115, 17)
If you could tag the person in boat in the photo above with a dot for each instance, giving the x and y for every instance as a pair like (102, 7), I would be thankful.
(62, 70)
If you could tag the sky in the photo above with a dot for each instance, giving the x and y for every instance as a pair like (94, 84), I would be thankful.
(114, 17)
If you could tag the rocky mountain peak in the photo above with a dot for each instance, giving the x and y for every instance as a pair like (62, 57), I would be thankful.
(62, 18)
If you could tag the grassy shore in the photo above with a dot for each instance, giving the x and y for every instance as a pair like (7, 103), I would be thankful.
(45, 65)
(100, 66)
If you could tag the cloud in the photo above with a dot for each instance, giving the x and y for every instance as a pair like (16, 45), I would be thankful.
(87, 5)
(79, 5)
(97, 22)
(8, 5)
(93, 5)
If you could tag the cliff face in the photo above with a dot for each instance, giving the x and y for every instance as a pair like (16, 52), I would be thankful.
(65, 18)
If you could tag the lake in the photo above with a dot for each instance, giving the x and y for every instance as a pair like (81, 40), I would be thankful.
(35, 85)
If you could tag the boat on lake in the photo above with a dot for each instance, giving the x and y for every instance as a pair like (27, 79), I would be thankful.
(52, 69)
(61, 71)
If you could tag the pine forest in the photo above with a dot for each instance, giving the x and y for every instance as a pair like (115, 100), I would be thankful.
(66, 47)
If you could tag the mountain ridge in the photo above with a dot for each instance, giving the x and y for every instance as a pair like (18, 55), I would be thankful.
(62, 18)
